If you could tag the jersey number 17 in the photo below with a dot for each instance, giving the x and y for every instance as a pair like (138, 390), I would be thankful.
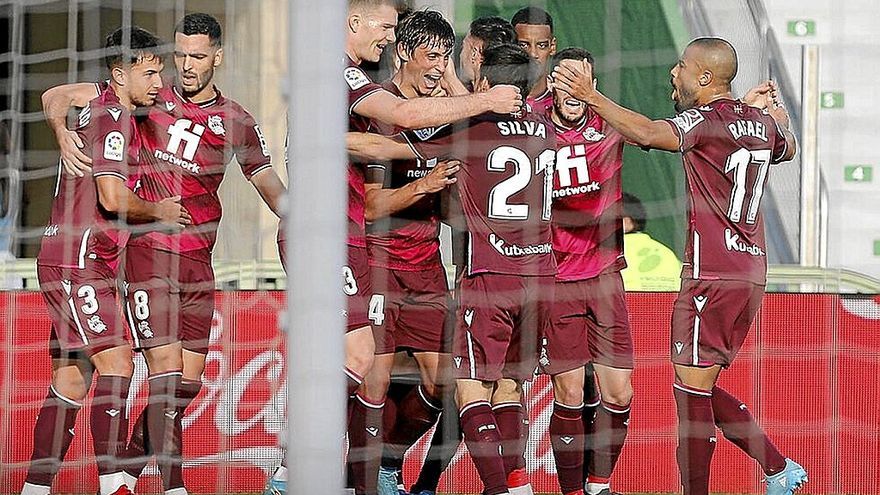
(738, 162)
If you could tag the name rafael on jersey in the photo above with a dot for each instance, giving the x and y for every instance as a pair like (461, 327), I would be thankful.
(751, 128)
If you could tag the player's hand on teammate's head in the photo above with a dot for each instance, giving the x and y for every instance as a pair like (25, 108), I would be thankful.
(173, 215)
(449, 74)
(505, 99)
(75, 162)
(441, 176)
(575, 77)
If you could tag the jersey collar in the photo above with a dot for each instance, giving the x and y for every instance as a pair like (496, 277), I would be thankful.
(204, 104)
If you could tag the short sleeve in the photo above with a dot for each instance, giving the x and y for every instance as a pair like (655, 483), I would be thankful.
(109, 133)
(780, 145)
(251, 149)
(359, 86)
(687, 125)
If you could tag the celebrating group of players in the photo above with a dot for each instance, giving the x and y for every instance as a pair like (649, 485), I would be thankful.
(522, 156)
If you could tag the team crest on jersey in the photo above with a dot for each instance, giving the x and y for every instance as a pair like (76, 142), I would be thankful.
(145, 330)
(688, 119)
(544, 359)
(114, 146)
(215, 123)
(356, 78)
(592, 135)
(97, 325)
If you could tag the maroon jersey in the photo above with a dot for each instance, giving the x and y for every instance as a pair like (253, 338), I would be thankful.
(409, 239)
(727, 148)
(359, 87)
(504, 187)
(186, 149)
(79, 229)
(587, 223)
(541, 103)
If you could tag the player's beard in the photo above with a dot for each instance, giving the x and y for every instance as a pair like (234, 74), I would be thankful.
(201, 82)
(684, 99)
(569, 121)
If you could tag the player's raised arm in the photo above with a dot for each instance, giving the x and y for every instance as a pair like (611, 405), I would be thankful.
(576, 78)
(382, 202)
(57, 101)
(777, 110)
(121, 201)
(417, 113)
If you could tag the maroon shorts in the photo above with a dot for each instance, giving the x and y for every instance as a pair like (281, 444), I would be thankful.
(168, 298)
(416, 309)
(711, 319)
(589, 323)
(362, 306)
(499, 323)
(84, 309)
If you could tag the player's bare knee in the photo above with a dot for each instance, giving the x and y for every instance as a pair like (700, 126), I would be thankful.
(506, 390)
(697, 377)
(621, 397)
(568, 393)
(568, 388)
(468, 391)
(71, 382)
(375, 386)
(164, 358)
(116, 361)
(193, 365)
(358, 361)
(360, 350)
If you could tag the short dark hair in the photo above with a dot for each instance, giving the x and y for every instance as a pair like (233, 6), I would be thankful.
(139, 42)
(572, 53)
(200, 23)
(424, 27)
(535, 16)
(492, 31)
(726, 56)
(509, 64)
(633, 208)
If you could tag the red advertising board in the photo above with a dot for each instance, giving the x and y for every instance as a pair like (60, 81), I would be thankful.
(810, 372)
